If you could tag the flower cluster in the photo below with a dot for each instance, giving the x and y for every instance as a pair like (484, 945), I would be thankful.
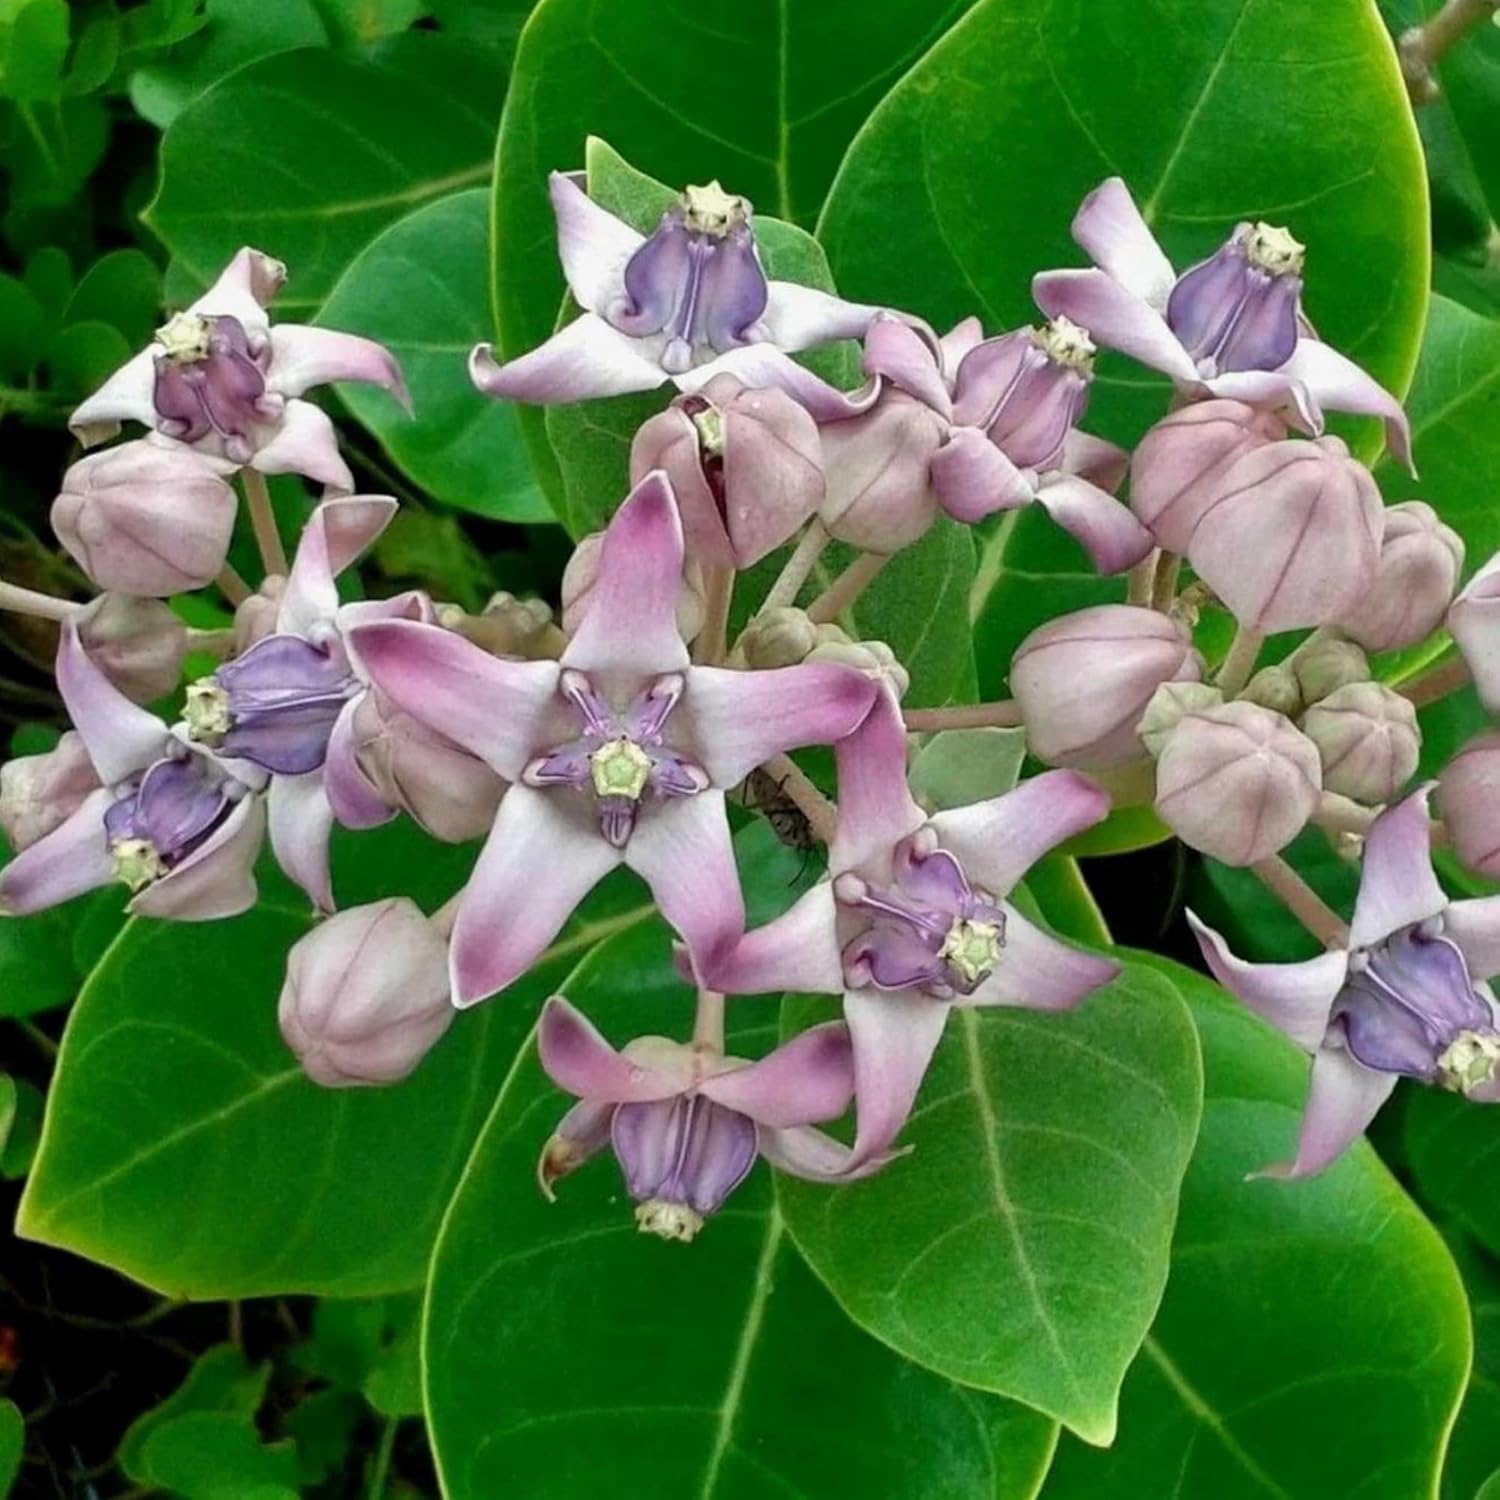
(621, 737)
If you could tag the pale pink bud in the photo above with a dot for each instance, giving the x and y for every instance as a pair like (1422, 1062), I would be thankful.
(255, 617)
(1083, 681)
(139, 644)
(366, 994)
(146, 519)
(583, 568)
(1420, 560)
(452, 794)
(1293, 539)
(1324, 666)
(1238, 781)
(41, 792)
(1468, 797)
(1474, 619)
(1176, 473)
(1368, 739)
(746, 467)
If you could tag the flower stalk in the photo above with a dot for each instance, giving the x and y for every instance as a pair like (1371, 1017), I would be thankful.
(41, 606)
(847, 587)
(1435, 682)
(798, 567)
(1239, 663)
(1005, 714)
(1302, 901)
(263, 522)
(1422, 48)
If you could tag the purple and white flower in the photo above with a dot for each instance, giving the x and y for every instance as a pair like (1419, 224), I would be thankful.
(1404, 998)
(1230, 326)
(219, 378)
(913, 920)
(619, 753)
(686, 1122)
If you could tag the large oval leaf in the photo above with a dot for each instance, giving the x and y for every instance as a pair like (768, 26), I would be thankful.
(965, 179)
(1313, 1341)
(183, 1146)
(568, 1355)
(419, 287)
(1023, 1246)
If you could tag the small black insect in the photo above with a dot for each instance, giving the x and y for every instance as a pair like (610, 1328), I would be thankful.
(763, 794)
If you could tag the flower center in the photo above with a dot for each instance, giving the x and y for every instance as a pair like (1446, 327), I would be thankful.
(184, 338)
(207, 711)
(1469, 1061)
(620, 768)
(671, 1221)
(972, 949)
(711, 211)
(1069, 345)
(136, 864)
(710, 424)
(1271, 249)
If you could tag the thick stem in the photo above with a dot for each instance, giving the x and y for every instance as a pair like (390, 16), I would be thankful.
(1240, 662)
(1143, 579)
(711, 645)
(1302, 901)
(263, 522)
(1422, 47)
(1006, 713)
(1164, 590)
(801, 563)
(820, 813)
(232, 586)
(1436, 682)
(847, 587)
(708, 1020)
(29, 602)
(217, 642)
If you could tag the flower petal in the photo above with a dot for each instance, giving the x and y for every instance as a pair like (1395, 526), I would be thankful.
(355, 802)
(592, 243)
(1101, 463)
(1039, 972)
(895, 351)
(957, 342)
(876, 808)
(218, 878)
(739, 720)
(807, 1152)
(581, 362)
(1295, 998)
(894, 1037)
(1109, 227)
(799, 951)
(121, 737)
(336, 533)
(1270, 390)
(1475, 927)
(800, 317)
(537, 865)
(493, 708)
(1339, 383)
(1342, 1099)
(72, 859)
(577, 1058)
(681, 848)
(244, 289)
(803, 1082)
(764, 365)
(303, 356)
(972, 478)
(630, 624)
(301, 821)
(129, 395)
(306, 444)
(1114, 316)
(998, 841)
(1396, 884)
(1106, 529)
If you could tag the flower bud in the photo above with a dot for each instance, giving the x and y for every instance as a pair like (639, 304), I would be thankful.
(255, 617)
(583, 568)
(145, 519)
(778, 638)
(1368, 739)
(1167, 706)
(1276, 688)
(746, 466)
(1237, 781)
(450, 793)
(1177, 471)
(1324, 666)
(139, 644)
(40, 792)
(873, 658)
(366, 994)
(1468, 797)
(1294, 537)
(1083, 681)
(1420, 560)
(1474, 619)
(507, 627)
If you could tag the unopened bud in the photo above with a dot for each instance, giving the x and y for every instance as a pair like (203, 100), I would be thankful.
(1474, 619)
(1368, 739)
(507, 627)
(873, 658)
(366, 994)
(255, 617)
(139, 644)
(1468, 797)
(40, 792)
(1420, 560)
(1326, 665)
(1276, 688)
(583, 570)
(778, 638)
(1167, 706)
(1237, 782)
(1083, 681)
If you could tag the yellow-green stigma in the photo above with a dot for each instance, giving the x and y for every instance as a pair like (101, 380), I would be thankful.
(710, 425)
(136, 863)
(1064, 342)
(620, 768)
(711, 211)
(971, 949)
(206, 711)
(1469, 1061)
(671, 1221)
(1273, 250)
(184, 338)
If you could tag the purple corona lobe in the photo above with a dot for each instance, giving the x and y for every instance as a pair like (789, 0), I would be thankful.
(209, 380)
(686, 1152)
(154, 827)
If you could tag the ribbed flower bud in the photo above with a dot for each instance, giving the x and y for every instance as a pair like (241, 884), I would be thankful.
(873, 658)
(40, 792)
(1294, 537)
(366, 994)
(1237, 781)
(1083, 681)
(1167, 706)
(145, 519)
(1368, 739)
(1324, 666)
(1275, 687)
(1474, 619)
(1420, 560)
(778, 638)
(1177, 471)
(139, 644)
(583, 569)
(1468, 798)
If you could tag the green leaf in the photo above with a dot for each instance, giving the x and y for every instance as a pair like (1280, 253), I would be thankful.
(56, 145)
(84, 355)
(123, 289)
(209, 1455)
(964, 180)
(1313, 1341)
(22, 1129)
(173, 1071)
(38, 969)
(347, 1335)
(23, 324)
(1449, 1142)
(419, 288)
(568, 1355)
(957, 766)
(354, 22)
(1022, 1248)
(1474, 1448)
(322, 1426)
(1454, 406)
(394, 1385)
(309, 155)
(12, 1444)
(33, 46)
